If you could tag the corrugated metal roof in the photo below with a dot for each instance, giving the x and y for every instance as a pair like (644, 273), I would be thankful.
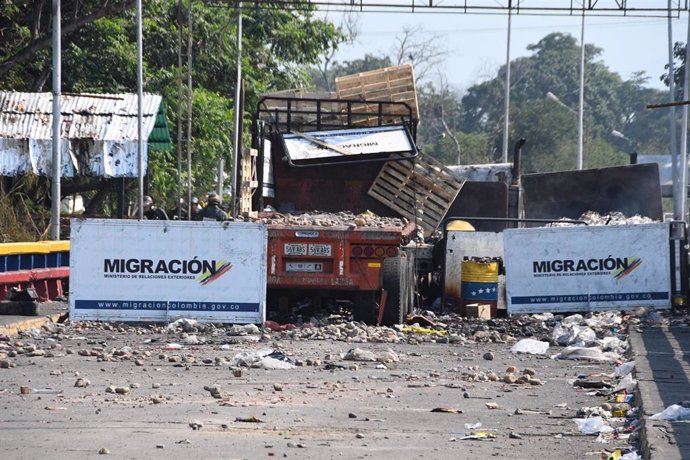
(85, 116)
(99, 133)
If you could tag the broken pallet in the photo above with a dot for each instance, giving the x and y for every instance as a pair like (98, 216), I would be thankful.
(421, 189)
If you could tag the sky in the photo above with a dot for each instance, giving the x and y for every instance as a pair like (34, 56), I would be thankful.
(476, 43)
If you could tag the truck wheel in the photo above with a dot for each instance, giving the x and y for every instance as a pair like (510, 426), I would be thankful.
(392, 271)
(365, 306)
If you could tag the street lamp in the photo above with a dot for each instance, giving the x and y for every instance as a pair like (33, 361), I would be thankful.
(620, 135)
(580, 130)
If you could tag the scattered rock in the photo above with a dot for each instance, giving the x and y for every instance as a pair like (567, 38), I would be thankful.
(82, 383)
(357, 354)
(488, 356)
(103, 451)
(510, 378)
(196, 425)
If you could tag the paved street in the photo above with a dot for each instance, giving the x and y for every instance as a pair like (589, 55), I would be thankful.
(162, 404)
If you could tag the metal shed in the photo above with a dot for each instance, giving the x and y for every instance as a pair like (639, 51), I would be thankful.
(99, 133)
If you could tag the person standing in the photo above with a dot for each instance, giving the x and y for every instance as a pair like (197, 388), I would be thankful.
(151, 212)
(179, 212)
(213, 211)
(196, 209)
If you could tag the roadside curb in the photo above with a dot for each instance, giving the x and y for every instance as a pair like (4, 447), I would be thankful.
(656, 436)
(15, 328)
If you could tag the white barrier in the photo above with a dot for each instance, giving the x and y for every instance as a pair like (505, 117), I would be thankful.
(566, 269)
(127, 270)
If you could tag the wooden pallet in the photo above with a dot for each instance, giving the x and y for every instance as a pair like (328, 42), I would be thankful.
(392, 84)
(421, 190)
(249, 183)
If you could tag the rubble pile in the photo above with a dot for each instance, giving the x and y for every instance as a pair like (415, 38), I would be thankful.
(337, 219)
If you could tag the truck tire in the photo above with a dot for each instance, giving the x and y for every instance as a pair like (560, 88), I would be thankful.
(393, 274)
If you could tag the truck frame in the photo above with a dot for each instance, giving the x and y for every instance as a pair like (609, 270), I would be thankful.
(365, 268)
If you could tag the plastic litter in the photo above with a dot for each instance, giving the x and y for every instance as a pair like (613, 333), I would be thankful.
(589, 353)
(627, 383)
(243, 329)
(357, 354)
(673, 412)
(266, 359)
(592, 425)
(624, 369)
(473, 426)
(172, 346)
(185, 324)
(572, 320)
(191, 340)
(480, 436)
(531, 346)
(568, 335)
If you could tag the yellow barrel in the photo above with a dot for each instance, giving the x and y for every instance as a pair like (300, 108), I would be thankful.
(479, 283)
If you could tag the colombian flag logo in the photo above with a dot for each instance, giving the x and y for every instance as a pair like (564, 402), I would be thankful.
(208, 277)
(633, 263)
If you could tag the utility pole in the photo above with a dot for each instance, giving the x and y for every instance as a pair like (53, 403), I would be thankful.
(238, 135)
(57, 122)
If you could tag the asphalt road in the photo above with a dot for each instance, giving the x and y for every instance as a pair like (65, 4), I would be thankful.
(334, 409)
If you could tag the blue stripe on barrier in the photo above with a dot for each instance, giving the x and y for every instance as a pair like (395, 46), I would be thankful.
(176, 305)
(584, 298)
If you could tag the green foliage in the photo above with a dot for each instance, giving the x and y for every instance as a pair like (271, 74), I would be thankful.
(100, 56)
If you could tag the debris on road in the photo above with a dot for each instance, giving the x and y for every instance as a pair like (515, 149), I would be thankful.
(446, 410)
(530, 346)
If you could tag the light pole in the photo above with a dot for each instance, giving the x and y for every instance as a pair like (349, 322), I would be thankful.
(633, 144)
(580, 128)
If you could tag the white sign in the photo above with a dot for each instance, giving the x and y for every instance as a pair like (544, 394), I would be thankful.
(127, 270)
(362, 141)
(587, 268)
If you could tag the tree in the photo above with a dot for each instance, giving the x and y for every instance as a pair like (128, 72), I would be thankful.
(551, 129)
(99, 55)
(26, 29)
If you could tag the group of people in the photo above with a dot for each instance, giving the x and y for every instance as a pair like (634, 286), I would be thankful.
(212, 210)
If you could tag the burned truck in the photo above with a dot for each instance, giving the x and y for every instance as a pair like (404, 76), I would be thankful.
(340, 185)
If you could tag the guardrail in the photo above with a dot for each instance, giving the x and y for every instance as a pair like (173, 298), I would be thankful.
(43, 266)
